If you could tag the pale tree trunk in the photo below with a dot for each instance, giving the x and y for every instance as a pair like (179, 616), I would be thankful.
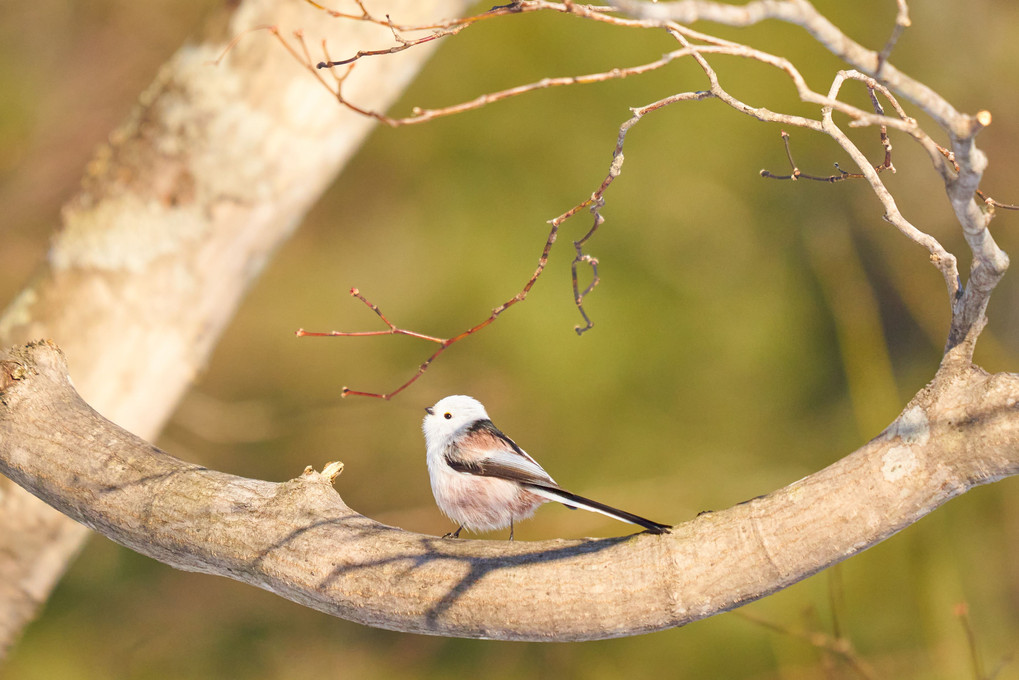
(177, 216)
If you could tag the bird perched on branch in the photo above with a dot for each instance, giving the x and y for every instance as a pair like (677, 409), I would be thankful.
(483, 481)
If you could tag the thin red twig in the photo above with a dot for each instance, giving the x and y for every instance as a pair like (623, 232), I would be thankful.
(442, 342)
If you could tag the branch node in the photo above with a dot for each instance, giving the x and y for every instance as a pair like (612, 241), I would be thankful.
(11, 372)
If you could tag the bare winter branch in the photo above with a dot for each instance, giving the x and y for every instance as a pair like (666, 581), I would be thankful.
(902, 22)
(961, 167)
(442, 342)
(140, 303)
(843, 175)
(839, 646)
(992, 204)
(594, 204)
(597, 201)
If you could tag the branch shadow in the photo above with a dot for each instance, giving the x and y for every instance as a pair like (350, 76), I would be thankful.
(435, 550)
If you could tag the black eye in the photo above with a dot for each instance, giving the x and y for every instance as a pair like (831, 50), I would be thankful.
(447, 415)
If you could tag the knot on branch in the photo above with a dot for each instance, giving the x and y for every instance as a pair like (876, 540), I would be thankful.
(11, 371)
(22, 362)
(311, 493)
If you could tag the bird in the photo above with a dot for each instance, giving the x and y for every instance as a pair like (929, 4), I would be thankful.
(483, 481)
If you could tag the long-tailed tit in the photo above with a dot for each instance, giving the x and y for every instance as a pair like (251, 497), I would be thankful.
(483, 481)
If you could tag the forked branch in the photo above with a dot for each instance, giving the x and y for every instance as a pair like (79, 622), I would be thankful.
(961, 167)
(593, 204)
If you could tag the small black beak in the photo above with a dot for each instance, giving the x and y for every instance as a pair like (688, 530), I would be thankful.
(429, 411)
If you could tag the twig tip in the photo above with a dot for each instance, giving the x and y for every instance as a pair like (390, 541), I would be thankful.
(332, 470)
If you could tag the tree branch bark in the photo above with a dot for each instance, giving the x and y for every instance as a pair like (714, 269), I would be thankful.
(299, 540)
(177, 216)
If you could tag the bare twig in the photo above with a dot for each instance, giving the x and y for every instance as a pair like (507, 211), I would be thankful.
(991, 203)
(495, 11)
(843, 174)
(841, 647)
(836, 600)
(442, 342)
(802, 13)
(831, 179)
(404, 44)
(960, 164)
(902, 22)
(990, 262)
(594, 13)
(941, 258)
(962, 613)
(597, 201)
(594, 203)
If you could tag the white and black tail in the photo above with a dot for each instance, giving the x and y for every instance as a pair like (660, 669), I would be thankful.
(573, 501)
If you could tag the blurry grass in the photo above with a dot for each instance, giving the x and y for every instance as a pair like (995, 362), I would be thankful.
(717, 369)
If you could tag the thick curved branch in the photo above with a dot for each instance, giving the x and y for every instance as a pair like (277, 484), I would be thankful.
(299, 540)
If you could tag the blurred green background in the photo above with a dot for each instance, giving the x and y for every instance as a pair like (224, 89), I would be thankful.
(747, 332)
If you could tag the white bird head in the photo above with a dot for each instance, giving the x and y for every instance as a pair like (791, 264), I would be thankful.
(449, 415)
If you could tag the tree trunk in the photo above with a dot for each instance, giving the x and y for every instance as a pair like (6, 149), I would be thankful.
(177, 216)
